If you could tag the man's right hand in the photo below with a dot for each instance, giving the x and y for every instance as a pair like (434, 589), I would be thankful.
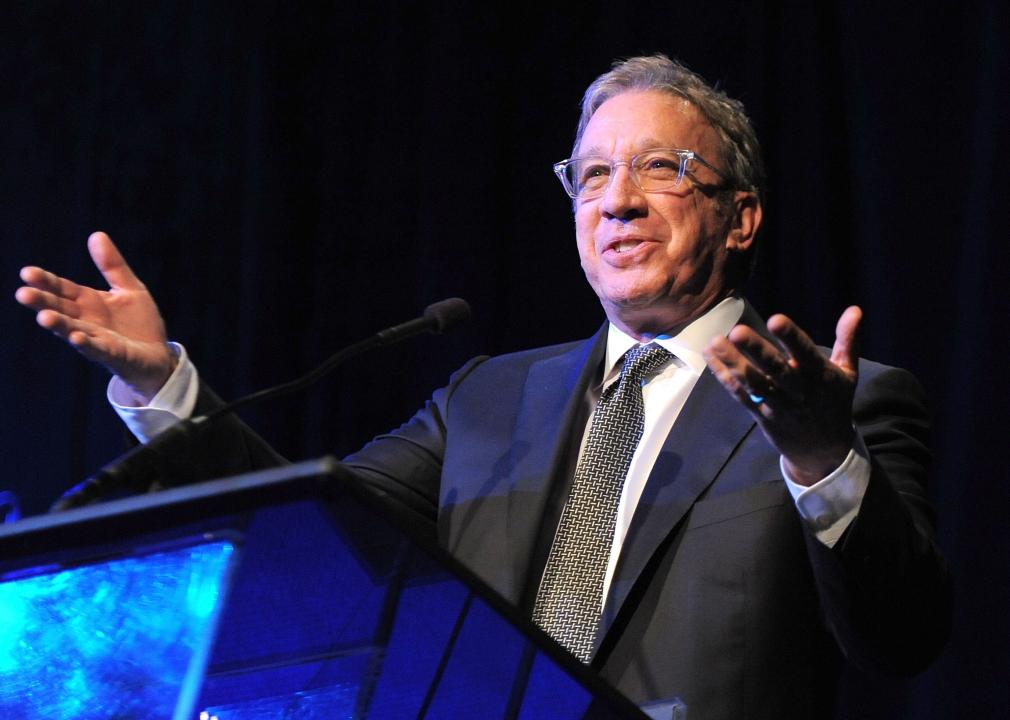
(119, 328)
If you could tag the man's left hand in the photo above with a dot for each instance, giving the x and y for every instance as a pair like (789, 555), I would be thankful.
(801, 399)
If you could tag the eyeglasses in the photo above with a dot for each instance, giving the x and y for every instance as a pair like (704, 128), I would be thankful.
(653, 170)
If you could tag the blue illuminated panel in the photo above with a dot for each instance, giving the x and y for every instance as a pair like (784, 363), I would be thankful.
(332, 613)
(124, 638)
(343, 623)
(329, 703)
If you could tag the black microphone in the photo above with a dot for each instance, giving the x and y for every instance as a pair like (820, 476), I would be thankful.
(438, 317)
(153, 465)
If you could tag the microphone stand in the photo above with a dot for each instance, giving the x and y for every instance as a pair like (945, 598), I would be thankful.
(153, 464)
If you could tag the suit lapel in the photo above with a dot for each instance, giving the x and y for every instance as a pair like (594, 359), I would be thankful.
(554, 391)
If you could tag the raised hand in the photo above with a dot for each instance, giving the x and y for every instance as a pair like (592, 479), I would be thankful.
(801, 398)
(119, 328)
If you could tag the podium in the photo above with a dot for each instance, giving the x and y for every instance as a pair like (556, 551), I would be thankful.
(287, 593)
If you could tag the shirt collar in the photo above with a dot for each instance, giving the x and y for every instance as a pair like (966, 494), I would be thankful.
(687, 345)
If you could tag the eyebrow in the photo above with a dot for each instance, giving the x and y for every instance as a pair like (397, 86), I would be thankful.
(645, 144)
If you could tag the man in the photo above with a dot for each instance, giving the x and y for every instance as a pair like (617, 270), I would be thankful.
(697, 503)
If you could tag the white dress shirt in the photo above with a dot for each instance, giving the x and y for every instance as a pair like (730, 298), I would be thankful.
(828, 506)
(174, 402)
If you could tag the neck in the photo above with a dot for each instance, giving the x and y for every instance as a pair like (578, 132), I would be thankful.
(646, 324)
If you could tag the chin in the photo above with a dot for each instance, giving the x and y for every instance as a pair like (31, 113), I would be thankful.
(629, 302)
(631, 295)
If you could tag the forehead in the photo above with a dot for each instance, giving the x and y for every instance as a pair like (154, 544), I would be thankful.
(638, 120)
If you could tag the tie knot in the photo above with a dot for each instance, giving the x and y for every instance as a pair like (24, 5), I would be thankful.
(642, 360)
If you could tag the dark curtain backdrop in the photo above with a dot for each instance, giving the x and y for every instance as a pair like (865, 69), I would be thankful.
(288, 178)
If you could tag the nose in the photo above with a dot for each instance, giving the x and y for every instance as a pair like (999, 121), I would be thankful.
(623, 199)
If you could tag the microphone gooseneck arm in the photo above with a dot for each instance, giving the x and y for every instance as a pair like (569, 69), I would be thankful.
(145, 466)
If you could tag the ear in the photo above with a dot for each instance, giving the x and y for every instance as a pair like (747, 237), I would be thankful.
(746, 220)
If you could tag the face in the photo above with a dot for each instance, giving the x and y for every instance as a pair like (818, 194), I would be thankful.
(656, 260)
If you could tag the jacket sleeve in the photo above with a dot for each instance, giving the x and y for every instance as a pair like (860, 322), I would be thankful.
(226, 446)
(884, 587)
(406, 464)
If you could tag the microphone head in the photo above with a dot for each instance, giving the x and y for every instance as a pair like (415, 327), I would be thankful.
(446, 314)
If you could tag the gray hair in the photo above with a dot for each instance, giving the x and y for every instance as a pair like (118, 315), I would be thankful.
(740, 155)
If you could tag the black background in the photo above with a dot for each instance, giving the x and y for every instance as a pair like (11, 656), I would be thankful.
(288, 178)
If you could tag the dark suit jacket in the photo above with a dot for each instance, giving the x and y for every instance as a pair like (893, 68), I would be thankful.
(721, 595)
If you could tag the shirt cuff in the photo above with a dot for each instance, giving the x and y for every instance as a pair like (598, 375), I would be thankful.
(832, 503)
(174, 402)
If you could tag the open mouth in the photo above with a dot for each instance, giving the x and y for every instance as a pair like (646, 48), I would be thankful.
(625, 245)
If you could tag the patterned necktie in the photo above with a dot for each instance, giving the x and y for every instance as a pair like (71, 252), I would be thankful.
(571, 591)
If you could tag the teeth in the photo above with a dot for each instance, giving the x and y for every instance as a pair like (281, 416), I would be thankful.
(624, 246)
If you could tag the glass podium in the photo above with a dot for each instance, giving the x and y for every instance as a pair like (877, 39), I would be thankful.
(288, 593)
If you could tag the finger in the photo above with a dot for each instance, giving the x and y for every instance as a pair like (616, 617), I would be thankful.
(728, 379)
(94, 344)
(765, 355)
(845, 352)
(46, 281)
(737, 374)
(85, 337)
(106, 348)
(731, 382)
(57, 323)
(802, 350)
(40, 300)
(772, 378)
(111, 264)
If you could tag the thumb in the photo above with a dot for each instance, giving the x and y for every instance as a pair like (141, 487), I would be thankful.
(111, 264)
(845, 352)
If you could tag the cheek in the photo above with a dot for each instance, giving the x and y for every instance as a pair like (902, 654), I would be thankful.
(585, 229)
(694, 233)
